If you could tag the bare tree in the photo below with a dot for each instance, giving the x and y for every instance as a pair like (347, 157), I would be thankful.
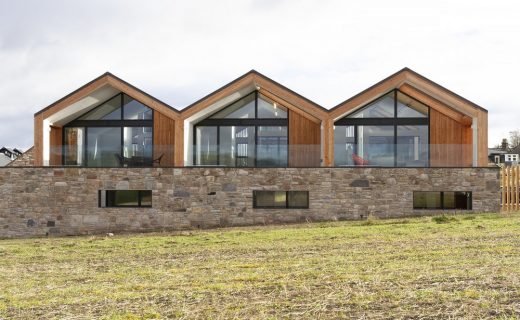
(514, 138)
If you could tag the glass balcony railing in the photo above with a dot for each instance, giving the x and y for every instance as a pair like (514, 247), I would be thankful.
(411, 154)
(244, 155)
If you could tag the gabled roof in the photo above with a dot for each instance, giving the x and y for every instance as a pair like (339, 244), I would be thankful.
(106, 79)
(263, 82)
(405, 77)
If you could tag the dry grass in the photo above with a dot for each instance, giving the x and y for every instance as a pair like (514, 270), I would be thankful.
(466, 266)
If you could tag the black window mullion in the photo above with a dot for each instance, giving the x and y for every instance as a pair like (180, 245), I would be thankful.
(122, 102)
(287, 199)
(356, 151)
(218, 146)
(429, 142)
(256, 143)
(395, 128)
(256, 104)
(85, 147)
(139, 198)
(122, 148)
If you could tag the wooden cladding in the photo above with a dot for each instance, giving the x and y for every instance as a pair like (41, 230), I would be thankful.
(510, 184)
(164, 139)
(304, 141)
(55, 146)
(450, 142)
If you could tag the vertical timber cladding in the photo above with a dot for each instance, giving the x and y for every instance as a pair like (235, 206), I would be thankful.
(163, 139)
(304, 141)
(55, 146)
(449, 140)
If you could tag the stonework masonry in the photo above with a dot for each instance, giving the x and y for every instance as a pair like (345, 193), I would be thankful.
(25, 160)
(39, 201)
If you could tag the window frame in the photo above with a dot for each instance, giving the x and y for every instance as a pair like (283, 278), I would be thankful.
(139, 199)
(122, 123)
(255, 122)
(442, 207)
(394, 121)
(287, 204)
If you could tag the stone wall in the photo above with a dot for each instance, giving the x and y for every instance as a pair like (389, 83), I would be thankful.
(40, 201)
(25, 160)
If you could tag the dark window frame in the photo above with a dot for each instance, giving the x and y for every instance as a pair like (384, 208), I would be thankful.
(249, 122)
(287, 204)
(121, 123)
(443, 207)
(140, 194)
(394, 121)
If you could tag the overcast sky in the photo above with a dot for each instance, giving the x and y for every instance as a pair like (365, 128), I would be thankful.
(178, 51)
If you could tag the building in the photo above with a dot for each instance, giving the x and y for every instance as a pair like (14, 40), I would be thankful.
(8, 154)
(117, 159)
(503, 156)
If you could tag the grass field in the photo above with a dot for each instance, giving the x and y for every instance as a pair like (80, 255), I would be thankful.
(465, 266)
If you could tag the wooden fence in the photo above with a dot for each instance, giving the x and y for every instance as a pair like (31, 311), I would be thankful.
(510, 184)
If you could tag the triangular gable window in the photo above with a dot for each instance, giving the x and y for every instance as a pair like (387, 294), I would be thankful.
(269, 109)
(241, 109)
(245, 109)
(380, 108)
(408, 107)
(110, 110)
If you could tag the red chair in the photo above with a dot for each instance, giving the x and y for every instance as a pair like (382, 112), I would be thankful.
(358, 161)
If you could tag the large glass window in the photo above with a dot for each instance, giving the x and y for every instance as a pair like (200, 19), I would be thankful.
(73, 146)
(138, 145)
(237, 146)
(103, 146)
(412, 146)
(119, 132)
(249, 132)
(207, 146)
(376, 145)
(272, 146)
(344, 145)
(391, 131)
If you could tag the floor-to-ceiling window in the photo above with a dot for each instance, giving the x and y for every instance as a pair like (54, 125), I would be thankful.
(118, 132)
(250, 132)
(392, 131)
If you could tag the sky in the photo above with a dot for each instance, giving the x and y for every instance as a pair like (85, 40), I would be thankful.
(328, 51)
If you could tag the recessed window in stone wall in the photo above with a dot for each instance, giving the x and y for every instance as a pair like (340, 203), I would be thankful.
(443, 200)
(125, 198)
(280, 199)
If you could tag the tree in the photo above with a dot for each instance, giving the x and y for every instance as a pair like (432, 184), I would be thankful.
(514, 139)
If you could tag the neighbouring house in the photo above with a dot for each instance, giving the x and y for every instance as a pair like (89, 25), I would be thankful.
(503, 156)
(110, 157)
(8, 154)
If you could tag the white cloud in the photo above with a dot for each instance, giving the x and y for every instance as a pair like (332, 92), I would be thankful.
(328, 51)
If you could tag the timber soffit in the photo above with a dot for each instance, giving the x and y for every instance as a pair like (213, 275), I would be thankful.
(404, 70)
(254, 72)
(106, 75)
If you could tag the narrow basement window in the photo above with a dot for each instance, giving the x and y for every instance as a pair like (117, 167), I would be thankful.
(125, 198)
(443, 200)
(263, 199)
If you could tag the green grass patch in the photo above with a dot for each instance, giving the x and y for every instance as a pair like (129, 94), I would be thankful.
(464, 266)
